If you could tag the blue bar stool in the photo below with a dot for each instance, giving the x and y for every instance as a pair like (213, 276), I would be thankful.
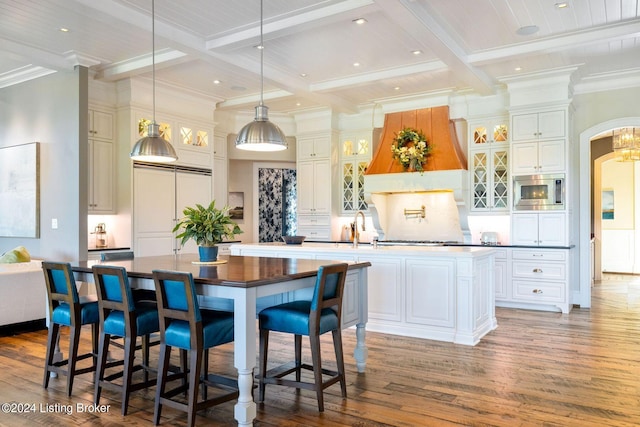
(311, 318)
(66, 308)
(121, 316)
(185, 326)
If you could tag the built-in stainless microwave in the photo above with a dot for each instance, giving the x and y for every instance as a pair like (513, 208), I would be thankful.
(538, 192)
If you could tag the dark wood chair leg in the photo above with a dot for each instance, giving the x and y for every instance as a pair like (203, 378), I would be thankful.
(205, 373)
(314, 341)
(129, 353)
(74, 342)
(54, 331)
(103, 351)
(163, 370)
(145, 356)
(298, 355)
(337, 344)
(194, 381)
(264, 347)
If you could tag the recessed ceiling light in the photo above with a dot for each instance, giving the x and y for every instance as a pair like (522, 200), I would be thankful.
(396, 88)
(356, 64)
(259, 46)
(527, 30)
(359, 21)
(561, 5)
(518, 68)
(64, 30)
(416, 52)
(216, 82)
(298, 104)
(303, 74)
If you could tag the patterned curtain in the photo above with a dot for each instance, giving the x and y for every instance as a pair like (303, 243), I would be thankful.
(277, 202)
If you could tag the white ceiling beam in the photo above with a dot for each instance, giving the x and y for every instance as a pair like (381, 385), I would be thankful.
(141, 64)
(603, 34)
(286, 24)
(432, 36)
(366, 78)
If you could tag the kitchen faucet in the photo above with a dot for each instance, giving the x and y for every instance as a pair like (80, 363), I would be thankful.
(356, 234)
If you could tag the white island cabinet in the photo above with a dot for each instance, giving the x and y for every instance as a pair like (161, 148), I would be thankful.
(439, 293)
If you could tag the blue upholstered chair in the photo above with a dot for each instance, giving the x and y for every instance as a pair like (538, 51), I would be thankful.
(121, 316)
(185, 326)
(311, 318)
(138, 294)
(66, 308)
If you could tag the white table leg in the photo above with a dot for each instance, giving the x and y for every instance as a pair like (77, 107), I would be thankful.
(360, 352)
(245, 354)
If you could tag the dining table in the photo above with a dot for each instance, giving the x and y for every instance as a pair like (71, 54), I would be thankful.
(244, 280)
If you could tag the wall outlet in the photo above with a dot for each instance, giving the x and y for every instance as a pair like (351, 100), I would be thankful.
(54, 223)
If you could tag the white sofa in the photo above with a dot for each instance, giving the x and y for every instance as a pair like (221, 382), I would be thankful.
(23, 295)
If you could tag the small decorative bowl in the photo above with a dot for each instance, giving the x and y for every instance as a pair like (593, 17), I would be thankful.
(293, 240)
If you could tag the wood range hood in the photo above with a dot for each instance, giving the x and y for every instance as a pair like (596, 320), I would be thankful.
(439, 130)
(445, 169)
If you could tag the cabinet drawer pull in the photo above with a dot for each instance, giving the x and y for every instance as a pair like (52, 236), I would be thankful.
(537, 291)
(537, 270)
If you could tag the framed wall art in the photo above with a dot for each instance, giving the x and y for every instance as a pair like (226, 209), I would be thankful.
(20, 190)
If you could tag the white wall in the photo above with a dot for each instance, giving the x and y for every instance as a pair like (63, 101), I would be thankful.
(53, 111)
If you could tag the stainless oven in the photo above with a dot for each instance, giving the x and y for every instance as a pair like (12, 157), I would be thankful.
(539, 192)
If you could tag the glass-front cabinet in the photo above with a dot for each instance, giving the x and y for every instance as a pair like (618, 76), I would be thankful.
(355, 156)
(192, 140)
(489, 164)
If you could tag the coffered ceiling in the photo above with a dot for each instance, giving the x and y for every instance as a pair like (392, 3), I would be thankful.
(405, 47)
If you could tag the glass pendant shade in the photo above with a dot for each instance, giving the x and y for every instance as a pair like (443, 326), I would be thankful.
(261, 134)
(153, 148)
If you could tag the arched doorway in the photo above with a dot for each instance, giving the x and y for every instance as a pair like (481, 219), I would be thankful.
(585, 223)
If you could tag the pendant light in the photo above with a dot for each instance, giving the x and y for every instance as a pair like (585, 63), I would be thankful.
(153, 148)
(261, 134)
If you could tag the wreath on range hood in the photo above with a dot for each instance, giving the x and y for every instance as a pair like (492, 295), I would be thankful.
(411, 149)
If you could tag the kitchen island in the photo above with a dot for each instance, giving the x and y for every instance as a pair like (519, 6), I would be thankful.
(433, 292)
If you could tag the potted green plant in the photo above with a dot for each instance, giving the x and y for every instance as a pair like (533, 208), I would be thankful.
(207, 226)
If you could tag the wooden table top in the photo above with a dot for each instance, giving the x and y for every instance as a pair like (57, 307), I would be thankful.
(237, 271)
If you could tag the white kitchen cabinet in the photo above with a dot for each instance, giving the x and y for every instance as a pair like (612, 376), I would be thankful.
(540, 277)
(386, 277)
(490, 180)
(194, 143)
(101, 162)
(101, 124)
(101, 185)
(310, 148)
(489, 164)
(355, 156)
(315, 227)
(538, 157)
(314, 187)
(220, 181)
(502, 275)
(430, 292)
(538, 126)
(352, 191)
(159, 197)
(539, 229)
(488, 131)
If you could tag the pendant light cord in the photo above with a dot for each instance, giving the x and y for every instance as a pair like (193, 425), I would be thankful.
(153, 56)
(261, 58)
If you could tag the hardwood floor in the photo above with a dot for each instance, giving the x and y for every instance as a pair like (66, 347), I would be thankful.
(536, 369)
